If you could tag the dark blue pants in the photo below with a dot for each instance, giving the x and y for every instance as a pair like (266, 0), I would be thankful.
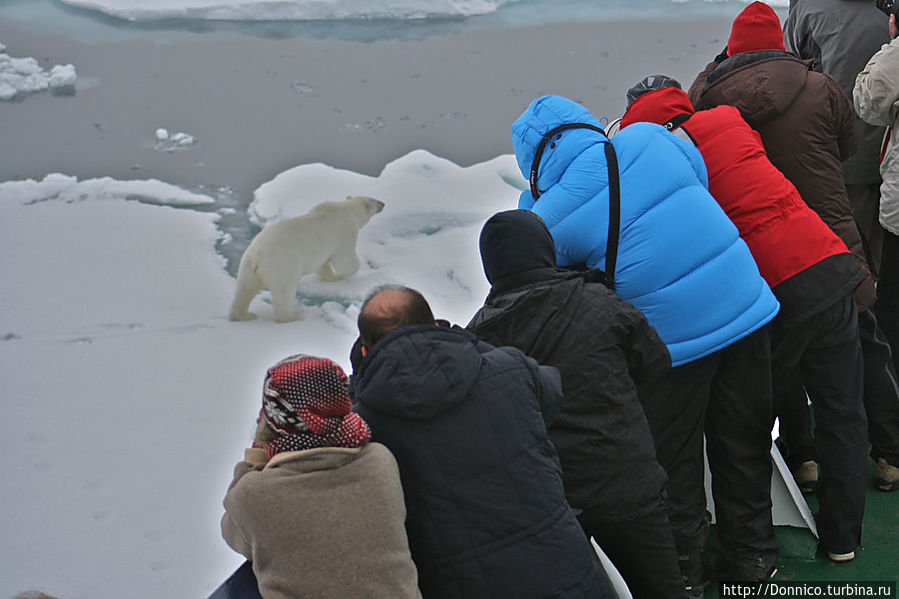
(887, 306)
(642, 549)
(727, 396)
(827, 352)
(881, 401)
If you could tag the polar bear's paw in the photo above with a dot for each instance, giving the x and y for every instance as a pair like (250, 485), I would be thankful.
(242, 316)
(289, 317)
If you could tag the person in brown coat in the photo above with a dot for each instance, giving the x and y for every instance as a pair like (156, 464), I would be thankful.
(805, 119)
(315, 506)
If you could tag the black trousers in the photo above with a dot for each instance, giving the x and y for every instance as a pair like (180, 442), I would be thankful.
(827, 352)
(727, 396)
(887, 306)
(865, 202)
(642, 549)
(881, 401)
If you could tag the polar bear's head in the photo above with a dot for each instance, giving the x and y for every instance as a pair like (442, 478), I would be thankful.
(372, 205)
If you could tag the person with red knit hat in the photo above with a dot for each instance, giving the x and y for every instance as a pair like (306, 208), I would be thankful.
(805, 119)
(810, 271)
(807, 125)
(314, 506)
(756, 28)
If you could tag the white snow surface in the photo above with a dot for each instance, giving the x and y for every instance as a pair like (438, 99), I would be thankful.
(298, 10)
(22, 76)
(129, 396)
(310, 10)
(64, 188)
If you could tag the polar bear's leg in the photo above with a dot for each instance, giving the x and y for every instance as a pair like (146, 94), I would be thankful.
(325, 272)
(248, 285)
(284, 298)
(342, 264)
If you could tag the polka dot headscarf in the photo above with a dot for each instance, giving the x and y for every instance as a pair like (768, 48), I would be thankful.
(305, 401)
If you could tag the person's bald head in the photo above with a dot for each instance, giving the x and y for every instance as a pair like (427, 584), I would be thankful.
(388, 308)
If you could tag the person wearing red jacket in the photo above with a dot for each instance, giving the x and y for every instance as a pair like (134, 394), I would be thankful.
(807, 124)
(812, 274)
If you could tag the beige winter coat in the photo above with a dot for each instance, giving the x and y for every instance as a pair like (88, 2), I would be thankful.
(322, 523)
(876, 96)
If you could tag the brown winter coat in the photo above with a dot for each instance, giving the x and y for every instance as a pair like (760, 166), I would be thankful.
(807, 125)
(322, 523)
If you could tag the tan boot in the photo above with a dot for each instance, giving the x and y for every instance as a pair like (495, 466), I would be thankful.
(887, 478)
(806, 477)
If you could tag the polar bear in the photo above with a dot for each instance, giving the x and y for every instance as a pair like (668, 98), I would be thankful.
(322, 241)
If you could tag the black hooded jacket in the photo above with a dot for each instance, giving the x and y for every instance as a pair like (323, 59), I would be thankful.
(486, 510)
(600, 343)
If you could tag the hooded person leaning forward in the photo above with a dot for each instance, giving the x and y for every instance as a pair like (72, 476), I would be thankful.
(601, 346)
(811, 272)
(312, 474)
(681, 262)
(487, 515)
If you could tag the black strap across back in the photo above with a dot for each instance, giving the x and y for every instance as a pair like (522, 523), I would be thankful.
(614, 191)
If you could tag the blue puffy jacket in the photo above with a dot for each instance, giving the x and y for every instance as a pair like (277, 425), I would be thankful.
(680, 259)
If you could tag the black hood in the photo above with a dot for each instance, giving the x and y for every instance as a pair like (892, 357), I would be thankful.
(515, 241)
(418, 371)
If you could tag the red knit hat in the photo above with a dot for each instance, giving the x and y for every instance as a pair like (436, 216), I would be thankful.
(305, 401)
(756, 28)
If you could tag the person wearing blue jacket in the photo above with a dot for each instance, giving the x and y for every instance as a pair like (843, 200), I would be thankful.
(679, 259)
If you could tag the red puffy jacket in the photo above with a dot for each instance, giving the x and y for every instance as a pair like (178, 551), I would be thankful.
(784, 235)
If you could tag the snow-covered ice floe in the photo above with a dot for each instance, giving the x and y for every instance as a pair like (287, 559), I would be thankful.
(322, 10)
(22, 76)
(296, 10)
(427, 235)
(56, 186)
(130, 394)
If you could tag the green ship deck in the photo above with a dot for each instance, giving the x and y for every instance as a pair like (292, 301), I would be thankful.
(877, 559)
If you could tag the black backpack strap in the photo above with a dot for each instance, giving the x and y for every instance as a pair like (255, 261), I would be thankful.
(614, 215)
(677, 120)
(675, 125)
(614, 191)
(551, 136)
